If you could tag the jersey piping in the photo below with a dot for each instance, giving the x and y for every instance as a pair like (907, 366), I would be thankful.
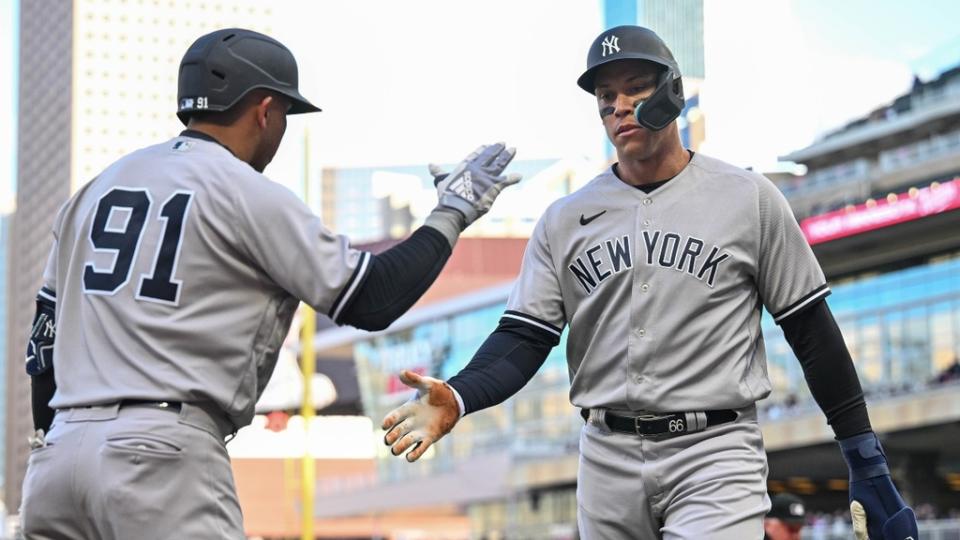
(346, 294)
(533, 321)
(820, 292)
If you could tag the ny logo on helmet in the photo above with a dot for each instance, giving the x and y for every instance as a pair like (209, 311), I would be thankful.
(610, 45)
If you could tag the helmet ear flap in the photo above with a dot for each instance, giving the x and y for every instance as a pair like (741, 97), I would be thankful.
(664, 105)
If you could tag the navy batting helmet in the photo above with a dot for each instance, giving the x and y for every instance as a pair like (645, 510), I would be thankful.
(638, 43)
(223, 66)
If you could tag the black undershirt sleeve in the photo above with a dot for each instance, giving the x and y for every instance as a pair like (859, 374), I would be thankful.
(42, 388)
(506, 361)
(816, 340)
(397, 278)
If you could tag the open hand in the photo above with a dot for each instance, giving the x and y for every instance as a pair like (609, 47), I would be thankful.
(423, 420)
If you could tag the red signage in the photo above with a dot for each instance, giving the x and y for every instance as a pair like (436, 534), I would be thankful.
(931, 200)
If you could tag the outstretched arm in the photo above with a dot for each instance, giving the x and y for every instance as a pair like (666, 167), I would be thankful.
(876, 507)
(398, 277)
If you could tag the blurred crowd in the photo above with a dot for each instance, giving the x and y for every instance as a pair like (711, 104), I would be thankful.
(790, 520)
(791, 404)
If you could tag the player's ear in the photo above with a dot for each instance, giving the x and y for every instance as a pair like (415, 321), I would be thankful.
(263, 110)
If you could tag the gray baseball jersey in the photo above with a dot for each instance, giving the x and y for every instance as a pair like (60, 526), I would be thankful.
(176, 273)
(663, 291)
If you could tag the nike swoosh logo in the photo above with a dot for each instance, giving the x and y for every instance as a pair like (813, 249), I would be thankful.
(587, 220)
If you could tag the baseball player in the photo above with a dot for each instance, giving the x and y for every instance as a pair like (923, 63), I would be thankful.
(171, 284)
(659, 267)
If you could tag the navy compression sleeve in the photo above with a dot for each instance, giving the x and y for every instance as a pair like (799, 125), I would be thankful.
(816, 340)
(397, 278)
(506, 361)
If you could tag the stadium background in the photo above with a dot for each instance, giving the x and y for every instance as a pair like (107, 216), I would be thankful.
(878, 197)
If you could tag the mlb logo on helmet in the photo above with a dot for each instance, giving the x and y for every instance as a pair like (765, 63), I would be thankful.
(610, 45)
(186, 103)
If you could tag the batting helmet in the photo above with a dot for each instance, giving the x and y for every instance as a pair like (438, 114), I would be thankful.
(638, 43)
(223, 66)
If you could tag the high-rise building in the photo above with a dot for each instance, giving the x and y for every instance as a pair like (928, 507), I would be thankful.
(126, 56)
(43, 167)
(6, 208)
(97, 79)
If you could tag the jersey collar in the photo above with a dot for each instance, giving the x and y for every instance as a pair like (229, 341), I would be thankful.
(194, 134)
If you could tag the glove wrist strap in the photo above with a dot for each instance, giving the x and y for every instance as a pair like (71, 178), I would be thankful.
(871, 471)
(864, 456)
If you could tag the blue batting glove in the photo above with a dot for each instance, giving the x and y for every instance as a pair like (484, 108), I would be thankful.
(876, 508)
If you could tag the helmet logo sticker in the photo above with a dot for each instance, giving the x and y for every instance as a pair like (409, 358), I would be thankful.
(186, 103)
(610, 45)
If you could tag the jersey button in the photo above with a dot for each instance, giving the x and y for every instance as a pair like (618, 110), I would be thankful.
(641, 332)
(640, 378)
(647, 202)
(646, 223)
(645, 287)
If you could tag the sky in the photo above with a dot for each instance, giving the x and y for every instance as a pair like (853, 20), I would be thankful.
(779, 72)
(428, 80)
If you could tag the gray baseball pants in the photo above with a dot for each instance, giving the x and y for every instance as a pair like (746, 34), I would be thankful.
(709, 484)
(135, 472)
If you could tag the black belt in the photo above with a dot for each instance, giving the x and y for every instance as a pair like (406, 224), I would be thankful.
(665, 424)
(165, 405)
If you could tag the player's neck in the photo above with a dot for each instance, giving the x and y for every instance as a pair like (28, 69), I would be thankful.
(654, 168)
(229, 136)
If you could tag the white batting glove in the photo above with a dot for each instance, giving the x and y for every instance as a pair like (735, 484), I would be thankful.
(423, 420)
(475, 182)
(859, 518)
(37, 439)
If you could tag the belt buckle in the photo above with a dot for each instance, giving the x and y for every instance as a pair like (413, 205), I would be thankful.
(636, 425)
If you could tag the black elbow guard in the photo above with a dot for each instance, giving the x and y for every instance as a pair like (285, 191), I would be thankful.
(42, 335)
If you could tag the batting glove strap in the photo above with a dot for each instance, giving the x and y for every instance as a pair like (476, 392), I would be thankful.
(864, 457)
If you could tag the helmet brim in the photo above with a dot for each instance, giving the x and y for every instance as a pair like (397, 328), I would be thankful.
(585, 81)
(300, 104)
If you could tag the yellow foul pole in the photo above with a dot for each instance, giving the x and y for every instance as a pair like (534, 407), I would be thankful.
(307, 366)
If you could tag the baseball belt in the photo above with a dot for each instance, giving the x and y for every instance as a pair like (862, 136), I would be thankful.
(663, 424)
(173, 406)
(204, 415)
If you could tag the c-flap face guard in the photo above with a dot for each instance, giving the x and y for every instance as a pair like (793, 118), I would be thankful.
(664, 105)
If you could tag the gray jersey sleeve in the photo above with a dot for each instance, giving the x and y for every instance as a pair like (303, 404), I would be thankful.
(50, 274)
(536, 298)
(290, 243)
(50, 270)
(789, 277)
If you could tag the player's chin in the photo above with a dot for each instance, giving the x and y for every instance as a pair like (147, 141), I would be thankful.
(633, 146)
